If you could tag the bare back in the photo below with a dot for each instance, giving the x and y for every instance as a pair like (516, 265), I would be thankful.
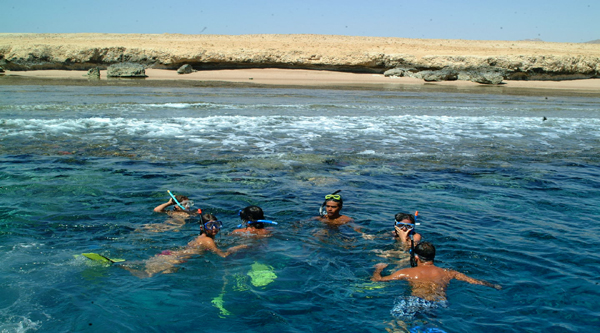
(427, 280)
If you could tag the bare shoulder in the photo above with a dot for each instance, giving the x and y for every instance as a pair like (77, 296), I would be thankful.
(201, 241)
(346, 219)
(450, 272)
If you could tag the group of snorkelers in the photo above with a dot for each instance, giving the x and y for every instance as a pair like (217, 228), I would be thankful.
(253, 224)
(428, 282)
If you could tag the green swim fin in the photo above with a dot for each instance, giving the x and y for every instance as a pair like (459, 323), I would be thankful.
(101, 258)
(261, 274)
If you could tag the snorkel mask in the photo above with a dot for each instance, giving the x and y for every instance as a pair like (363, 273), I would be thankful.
(333, 196)
(212, 225)
(409, 226)
(184, 204)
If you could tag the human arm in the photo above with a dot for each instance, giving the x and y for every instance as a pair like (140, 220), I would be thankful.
(367, 236)
(377, 277)
(358, 229)
(234, 249)
(462, 277)
(161, 208)
(211, 246)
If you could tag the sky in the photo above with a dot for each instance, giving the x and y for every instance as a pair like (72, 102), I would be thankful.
(572, 21)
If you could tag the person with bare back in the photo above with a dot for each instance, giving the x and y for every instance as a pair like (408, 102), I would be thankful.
(427, 281)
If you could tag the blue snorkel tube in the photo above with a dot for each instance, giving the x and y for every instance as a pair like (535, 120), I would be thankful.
(258, 221)
(177, 202)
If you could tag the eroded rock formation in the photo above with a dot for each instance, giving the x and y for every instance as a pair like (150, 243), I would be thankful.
(432, 58)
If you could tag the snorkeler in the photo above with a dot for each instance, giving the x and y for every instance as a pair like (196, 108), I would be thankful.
(428, 282)
(405, 236)
(253, 222)
(182, 206)
(404, 232)
(182, 210)
(330, 210)
(165, 261)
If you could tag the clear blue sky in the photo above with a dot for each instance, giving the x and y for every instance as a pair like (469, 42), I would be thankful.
(550, 20)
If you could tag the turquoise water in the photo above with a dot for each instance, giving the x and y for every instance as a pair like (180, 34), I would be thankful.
(504, 195)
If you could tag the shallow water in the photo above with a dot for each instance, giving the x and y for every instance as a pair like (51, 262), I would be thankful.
(504, 195)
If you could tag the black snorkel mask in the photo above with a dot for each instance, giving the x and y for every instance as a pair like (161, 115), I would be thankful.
(333, 196)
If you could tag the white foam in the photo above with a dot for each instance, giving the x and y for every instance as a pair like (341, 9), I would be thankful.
(278, 133)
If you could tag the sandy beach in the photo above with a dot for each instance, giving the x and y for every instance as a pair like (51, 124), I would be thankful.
(288, 60)
(292, 77)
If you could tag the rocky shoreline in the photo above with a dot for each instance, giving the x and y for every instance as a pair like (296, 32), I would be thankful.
(430, 60)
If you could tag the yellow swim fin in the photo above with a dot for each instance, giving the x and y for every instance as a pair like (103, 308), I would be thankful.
(101, 258)
(261, 274)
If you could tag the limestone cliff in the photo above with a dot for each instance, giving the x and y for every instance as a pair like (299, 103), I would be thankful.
(519, 60)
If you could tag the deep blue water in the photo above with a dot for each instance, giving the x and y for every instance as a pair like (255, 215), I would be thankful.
(505, 197)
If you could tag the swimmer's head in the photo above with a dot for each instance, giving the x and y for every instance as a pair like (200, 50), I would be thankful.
(207, 217)
(335, 197)
(332, 205)
(209, 224)
(187, 204)
(251, 215)
(183, 201)
(425, 251)
(402, 216)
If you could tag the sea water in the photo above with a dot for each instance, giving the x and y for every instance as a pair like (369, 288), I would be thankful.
(506, 185)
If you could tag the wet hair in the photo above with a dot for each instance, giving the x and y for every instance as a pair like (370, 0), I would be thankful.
(402, 216)
(181, 198)
(206, 217)
(425, 251)
(253, 214)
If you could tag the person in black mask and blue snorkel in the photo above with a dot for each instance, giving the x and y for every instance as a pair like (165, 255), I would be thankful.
(253, 222)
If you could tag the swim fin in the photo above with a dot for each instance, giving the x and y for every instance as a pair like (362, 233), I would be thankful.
(101, 258)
